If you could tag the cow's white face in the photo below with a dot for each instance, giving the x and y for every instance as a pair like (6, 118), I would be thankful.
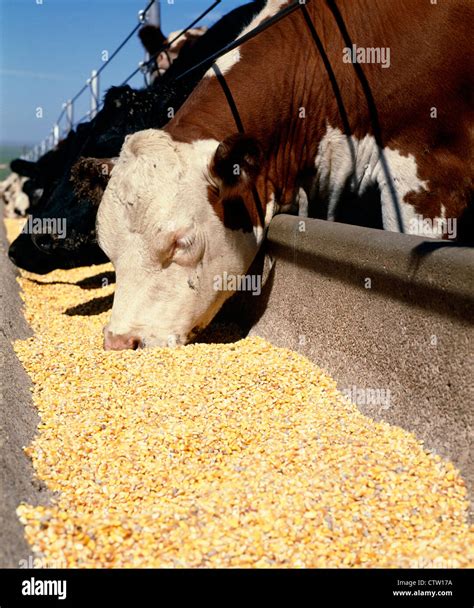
(168, 245)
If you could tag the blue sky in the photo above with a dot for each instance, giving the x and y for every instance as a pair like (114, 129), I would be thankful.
(48, 50)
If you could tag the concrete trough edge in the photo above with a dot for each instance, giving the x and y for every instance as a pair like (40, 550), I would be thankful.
(440, 266)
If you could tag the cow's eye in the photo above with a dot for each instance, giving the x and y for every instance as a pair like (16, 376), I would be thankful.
(185, 242)
(188, 249)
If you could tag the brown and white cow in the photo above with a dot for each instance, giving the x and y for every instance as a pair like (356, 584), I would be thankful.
(153, 40)
(183, 43)
(181, 206)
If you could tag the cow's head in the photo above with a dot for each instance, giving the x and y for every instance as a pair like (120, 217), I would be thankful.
(178, 44)
(154, 41)
(176, 220)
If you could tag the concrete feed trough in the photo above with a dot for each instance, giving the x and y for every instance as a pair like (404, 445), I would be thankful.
(387, 315)
(381, 312)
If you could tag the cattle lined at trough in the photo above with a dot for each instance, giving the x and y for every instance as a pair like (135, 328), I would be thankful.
(192, 201)
(302, 116)
(252, 203)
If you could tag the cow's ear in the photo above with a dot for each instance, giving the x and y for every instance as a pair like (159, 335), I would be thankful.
(237, 162)
(90, 177)
(152, 38)
(27, 168)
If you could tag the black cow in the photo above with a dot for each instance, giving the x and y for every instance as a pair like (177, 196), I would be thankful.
(125, 111)
(45, 172)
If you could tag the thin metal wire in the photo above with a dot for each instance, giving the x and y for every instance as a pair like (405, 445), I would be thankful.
(124, 42)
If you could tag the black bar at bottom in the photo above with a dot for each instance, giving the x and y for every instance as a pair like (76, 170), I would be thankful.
(379, 588)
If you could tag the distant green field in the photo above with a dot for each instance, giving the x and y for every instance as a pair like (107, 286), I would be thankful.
(8, 153)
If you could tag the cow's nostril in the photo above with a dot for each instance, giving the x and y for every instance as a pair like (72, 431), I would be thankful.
(135, 343)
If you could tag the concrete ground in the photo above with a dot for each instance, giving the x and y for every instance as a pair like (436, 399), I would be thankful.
(18, 420)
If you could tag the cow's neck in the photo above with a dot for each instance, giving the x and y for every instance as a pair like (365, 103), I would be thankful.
(276, 118)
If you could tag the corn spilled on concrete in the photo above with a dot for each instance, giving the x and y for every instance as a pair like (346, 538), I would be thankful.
(214, 455)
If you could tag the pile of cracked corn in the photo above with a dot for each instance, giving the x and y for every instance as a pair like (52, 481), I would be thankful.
(211, 455)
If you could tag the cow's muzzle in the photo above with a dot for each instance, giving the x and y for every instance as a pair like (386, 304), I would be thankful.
(121, 342)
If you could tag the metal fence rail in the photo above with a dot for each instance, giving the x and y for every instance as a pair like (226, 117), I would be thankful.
(65, 121)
